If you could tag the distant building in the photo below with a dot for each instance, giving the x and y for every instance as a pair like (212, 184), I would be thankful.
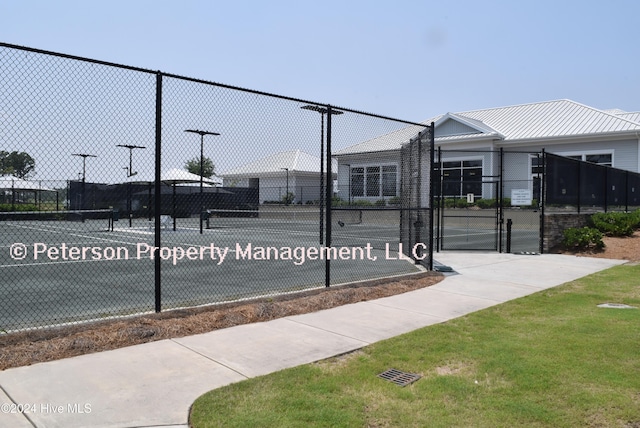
(295, 172)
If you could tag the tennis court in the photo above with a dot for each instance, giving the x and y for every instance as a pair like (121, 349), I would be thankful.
(67, 267)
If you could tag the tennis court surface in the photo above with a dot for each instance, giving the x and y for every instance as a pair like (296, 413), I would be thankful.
(68, 267)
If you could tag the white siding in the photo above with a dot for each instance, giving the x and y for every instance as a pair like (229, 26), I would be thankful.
(452, 127)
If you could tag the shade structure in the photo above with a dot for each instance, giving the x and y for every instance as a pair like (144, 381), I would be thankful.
(10, 182)
(175, 176)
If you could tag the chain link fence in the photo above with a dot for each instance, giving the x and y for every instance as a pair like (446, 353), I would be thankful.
(128, 191)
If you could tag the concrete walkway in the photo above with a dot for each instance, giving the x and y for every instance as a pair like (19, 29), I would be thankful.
(154, 384)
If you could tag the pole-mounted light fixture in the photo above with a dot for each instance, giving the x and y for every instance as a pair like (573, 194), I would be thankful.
(202, 134)
(131, 147)
(322, 111)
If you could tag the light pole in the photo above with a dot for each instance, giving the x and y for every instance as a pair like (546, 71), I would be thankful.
(202, 134)
(130, 173)
(322, 111)
(286, 195)
(84, 157)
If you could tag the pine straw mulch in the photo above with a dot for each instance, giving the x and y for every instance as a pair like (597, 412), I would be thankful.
(620, 248)
(35, 346)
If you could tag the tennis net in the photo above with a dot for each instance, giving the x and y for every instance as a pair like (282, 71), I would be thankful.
(60, 217)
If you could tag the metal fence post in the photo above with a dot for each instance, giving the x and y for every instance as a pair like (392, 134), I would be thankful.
(543, 199)
(431, 187)
(158, 191)
(329, 196)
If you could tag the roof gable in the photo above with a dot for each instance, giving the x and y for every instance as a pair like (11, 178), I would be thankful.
(451, 124)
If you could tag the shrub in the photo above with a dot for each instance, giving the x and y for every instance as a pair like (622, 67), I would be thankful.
(288, 198)
(450, 203)
(337, 201)
(614, 223)
(18, 207)
(462, 203)
(381, 203)
(362, 203)
(582, 238)
(486, 203)
(635, 216)
(396, 200)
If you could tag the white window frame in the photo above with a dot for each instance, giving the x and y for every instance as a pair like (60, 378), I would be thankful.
(584, 153)
(381, 179)
(462, 159)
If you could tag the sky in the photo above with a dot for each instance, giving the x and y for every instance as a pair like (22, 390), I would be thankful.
(406, 59)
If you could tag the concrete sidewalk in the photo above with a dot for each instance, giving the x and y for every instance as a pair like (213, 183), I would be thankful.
(154, 384)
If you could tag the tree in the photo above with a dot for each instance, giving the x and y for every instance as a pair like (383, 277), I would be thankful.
(20, 164)
(193, 166)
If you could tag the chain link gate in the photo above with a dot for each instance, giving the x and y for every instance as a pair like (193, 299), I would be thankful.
(488, 200)
(416, 215)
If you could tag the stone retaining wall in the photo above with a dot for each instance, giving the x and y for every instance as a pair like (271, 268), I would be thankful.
(556, 223)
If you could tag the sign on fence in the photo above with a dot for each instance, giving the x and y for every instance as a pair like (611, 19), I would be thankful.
(520, 197)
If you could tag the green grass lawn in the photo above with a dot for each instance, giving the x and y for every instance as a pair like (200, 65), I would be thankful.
(552, 359)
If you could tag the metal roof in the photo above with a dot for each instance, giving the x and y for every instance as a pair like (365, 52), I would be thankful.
(514, 124)
(551, 119)
(633, 116)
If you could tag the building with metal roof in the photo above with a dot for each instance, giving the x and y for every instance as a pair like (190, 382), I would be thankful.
(276, 175)
(564, 127)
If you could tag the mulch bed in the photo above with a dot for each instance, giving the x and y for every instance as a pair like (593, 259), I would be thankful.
(35, 346)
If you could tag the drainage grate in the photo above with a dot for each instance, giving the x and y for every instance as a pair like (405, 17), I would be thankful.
(616, 306)
(398, 377)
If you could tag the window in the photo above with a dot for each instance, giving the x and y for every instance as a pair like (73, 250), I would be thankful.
(462, 177)
(357, 181)
(374, 181)
(605, 159)
(537, 165)
(389, 180)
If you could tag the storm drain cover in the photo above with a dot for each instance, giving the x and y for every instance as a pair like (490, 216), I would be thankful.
(616, 306)
(398, 377)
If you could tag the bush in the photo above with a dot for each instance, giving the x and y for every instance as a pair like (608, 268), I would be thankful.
(486, 203)
(462, 203)
(337, 201)
(18, 207)
(362, 203)
(381, 203)
(396, 200)
(635, 216)
(449, 203)
(614, 223)
(582, 238)
(288, 198)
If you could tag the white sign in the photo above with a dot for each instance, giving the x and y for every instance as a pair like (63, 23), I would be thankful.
(470, 198)
(521, 197)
